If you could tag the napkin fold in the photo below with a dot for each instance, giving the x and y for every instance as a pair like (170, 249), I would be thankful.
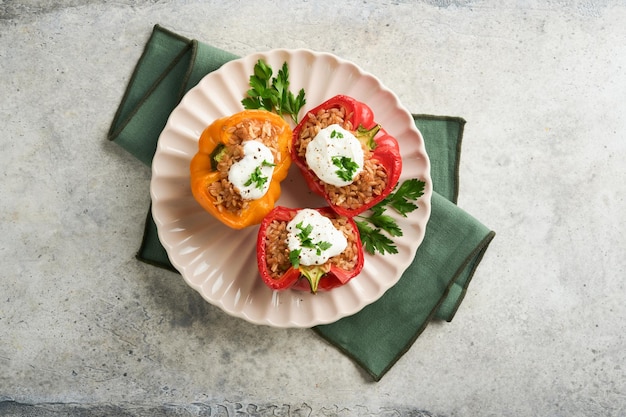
(432, 287)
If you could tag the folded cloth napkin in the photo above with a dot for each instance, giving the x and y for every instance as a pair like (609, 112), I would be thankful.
(432, 287)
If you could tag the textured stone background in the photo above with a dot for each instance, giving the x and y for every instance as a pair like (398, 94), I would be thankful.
(85, 329)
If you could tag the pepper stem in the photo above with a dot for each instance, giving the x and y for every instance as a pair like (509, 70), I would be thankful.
(313, 274)
(366, 136)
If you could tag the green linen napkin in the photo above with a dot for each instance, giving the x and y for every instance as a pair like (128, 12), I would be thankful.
(432, 287)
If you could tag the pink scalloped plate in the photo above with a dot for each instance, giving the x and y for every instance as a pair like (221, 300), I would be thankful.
(219, 262)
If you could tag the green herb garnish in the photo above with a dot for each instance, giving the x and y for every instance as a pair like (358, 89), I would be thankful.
(307, 242)
(305, 235)
(322, 246)
(371, 227)
(334, 134)
(294, 257)
(347, 167)
(272, 94)
(373, 240)
(400, 200)
(256, 178)
(267, 164)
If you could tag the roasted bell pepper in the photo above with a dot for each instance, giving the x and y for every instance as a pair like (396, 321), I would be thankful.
(382, 149)
(219, 146)
(276, 266)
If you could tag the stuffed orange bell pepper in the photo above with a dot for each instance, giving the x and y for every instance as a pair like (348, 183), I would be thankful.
(240, 163)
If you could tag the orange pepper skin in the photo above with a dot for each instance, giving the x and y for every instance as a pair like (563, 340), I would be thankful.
(202, 175)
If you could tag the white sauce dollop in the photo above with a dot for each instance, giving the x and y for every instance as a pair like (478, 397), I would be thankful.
(248, 174)
(333, 141)
(323, 230)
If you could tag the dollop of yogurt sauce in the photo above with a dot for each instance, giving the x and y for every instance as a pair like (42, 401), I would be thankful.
(323, 235)
(330, 145)
(252, 174)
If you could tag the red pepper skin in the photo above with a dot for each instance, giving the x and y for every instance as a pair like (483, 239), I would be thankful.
(293, 278)
(386, 150)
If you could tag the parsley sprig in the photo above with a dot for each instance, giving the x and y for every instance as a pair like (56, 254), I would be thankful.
(272, 94)
(371, 227)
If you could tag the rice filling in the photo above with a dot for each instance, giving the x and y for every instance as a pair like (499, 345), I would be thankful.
(367, 185)
(277, 248)
(226, 194)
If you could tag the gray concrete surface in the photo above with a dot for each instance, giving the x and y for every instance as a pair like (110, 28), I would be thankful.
(85, 329)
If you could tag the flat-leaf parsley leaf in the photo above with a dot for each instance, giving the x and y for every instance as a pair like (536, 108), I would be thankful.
(371, 227)
(373, 240)
(400, 200)
(272, 94)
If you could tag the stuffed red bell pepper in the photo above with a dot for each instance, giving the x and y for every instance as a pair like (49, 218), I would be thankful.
(345, 156)
(308, 249)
